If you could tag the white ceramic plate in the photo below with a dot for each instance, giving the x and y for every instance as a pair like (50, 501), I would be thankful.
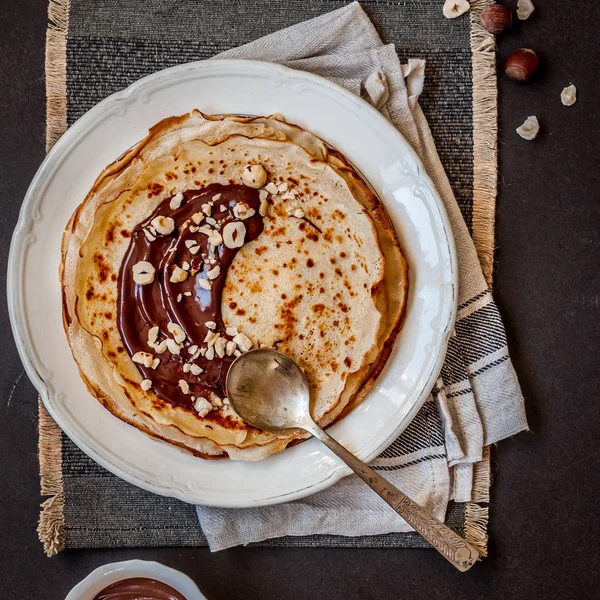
(227, 86)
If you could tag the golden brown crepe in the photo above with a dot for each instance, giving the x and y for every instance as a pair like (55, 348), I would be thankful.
(324, 281)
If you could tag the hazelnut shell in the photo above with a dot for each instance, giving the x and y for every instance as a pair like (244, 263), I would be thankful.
(521, 64)
(496, 18)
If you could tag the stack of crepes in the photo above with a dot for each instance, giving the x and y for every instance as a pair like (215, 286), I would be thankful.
(324, 280)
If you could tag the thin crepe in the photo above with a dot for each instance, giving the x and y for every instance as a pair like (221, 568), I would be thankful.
(328, 290)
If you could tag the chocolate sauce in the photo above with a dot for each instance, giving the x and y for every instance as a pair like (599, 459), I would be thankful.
(139, 588)
(141, 307)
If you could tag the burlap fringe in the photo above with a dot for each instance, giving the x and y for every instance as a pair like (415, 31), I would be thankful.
(485, 183)
(482, 478)
(56, 70)
(476, 526)
(51, 527)
(476, 516)
(485, 138)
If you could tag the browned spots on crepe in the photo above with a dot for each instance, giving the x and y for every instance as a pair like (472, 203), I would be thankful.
(101, 268)
(155, 189)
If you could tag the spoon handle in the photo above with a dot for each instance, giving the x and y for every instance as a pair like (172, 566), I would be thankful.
(450, 545)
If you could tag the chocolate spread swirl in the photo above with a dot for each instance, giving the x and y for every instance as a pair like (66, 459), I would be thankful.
(185, 303)
(139, 588)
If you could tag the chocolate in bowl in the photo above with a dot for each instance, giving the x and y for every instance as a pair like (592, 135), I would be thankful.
(139, 588)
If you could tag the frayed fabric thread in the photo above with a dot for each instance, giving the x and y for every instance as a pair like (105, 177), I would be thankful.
(476, 524)
(51, 526)
(485, 138)
(56, 70)
(485, 186)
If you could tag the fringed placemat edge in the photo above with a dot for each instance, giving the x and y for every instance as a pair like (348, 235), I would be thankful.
(485, 184)
(485, 138)
(56, 70)
(477, 515)
(51, 526)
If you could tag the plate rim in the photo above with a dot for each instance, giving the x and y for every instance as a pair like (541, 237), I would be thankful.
(54, 159)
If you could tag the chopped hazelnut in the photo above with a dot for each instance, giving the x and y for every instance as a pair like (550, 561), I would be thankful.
(242, 211)
(569, 95)
(178, 275)
(196, 369)
(234, 234)
(143, 272)
(243, 342)
(530, 128)
(254, 176)
(525, 9)
(205, 284)
(173, 346)
(176, 201)
(163, 225)
(202, 406)
(161, 348)
(220, 347)
(153, 335)
(177, 332)
(143, 358)
(214, 272)
(455, 8)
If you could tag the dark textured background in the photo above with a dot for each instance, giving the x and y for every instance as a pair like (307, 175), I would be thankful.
(545, 537)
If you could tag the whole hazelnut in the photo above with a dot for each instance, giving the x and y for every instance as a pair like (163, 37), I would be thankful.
(496, 18)
(521, 64)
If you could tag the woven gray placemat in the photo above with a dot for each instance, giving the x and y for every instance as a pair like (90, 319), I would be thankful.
(97, 48)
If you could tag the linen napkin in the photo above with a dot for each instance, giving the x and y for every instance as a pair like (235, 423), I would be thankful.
(476, 401)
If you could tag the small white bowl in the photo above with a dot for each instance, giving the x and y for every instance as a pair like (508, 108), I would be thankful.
(108, 574)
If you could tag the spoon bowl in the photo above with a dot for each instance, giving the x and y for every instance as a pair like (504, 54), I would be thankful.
(269, 390)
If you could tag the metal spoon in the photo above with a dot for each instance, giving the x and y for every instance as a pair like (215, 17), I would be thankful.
(269, 390)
